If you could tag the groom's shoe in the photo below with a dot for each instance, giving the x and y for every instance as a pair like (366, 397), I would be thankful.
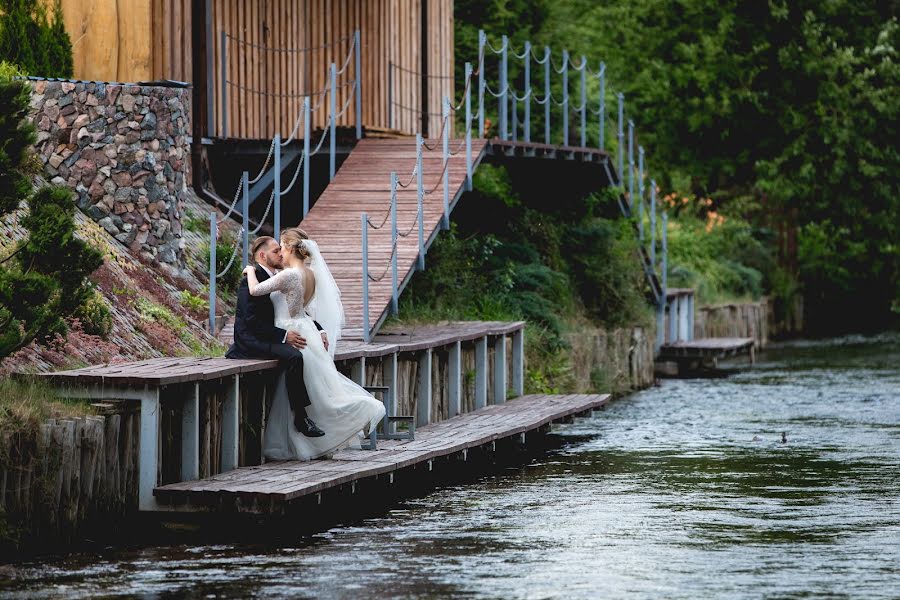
(308, 427)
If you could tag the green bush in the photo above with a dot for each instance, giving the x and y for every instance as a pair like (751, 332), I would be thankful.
(34, 40)
(95, 316)
(225, 247)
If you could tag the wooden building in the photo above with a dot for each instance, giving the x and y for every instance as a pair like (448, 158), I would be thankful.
(276, 52)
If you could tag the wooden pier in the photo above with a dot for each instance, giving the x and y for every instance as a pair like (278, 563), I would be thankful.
(273, 488)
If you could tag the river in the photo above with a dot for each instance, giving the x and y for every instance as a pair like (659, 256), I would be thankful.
(779, 481)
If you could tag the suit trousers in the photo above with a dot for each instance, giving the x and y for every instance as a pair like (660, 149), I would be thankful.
(291, 361)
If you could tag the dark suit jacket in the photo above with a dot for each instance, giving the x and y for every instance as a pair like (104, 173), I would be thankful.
(255, 334)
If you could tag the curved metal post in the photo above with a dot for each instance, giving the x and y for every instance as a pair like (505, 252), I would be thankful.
(602, 105)
(445, 143)
(245, 209)
(504, 94)
(420, 198)
(212, 273)
(547, 94)
(223, 71)
(640, 210)
(332, 117)
(621, 137)
(583, 102)
(277, 186)
(630, 166)
(364, 218)
(468, 72)
(357, 75)
(565, 100)
(306, 158)
(481, 82)
(394, 291)
(526, 134)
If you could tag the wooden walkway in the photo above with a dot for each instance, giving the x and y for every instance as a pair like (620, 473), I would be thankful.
(706, 348)
(363, 185)
(275, 486)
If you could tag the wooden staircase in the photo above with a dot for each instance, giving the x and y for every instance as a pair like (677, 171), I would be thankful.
(363, 185)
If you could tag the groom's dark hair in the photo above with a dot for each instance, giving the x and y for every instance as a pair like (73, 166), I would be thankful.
(260, 243)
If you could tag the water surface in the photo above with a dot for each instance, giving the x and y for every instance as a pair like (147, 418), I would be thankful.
(682, 491)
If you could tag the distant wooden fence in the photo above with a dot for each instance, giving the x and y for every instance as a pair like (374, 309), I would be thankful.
(277, 51)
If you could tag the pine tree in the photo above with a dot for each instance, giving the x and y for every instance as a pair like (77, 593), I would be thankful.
(33, 40)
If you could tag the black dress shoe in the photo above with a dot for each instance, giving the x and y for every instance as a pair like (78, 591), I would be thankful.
(308, 427)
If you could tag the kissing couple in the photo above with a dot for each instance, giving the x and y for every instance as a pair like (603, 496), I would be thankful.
(289, 308)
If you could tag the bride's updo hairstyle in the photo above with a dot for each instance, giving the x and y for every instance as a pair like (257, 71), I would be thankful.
(292, 239)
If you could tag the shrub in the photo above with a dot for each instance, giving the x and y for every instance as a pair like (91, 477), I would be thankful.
(95, 316)
(34, 40)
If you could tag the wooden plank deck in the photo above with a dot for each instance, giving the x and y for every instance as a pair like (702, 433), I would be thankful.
(274, 486)
(363, 185)
(706, 348)
(156, 371)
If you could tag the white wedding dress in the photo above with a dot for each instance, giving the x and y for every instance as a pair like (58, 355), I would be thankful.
(340, 407)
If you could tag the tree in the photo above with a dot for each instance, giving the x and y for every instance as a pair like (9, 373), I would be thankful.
(33, 40)
(44, 280)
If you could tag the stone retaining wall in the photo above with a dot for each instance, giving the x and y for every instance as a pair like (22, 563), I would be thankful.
(124, 150)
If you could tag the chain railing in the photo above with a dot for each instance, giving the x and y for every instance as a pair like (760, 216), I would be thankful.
(632, 192)
(272, 176)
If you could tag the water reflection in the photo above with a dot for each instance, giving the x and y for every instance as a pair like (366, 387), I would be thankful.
(686, 490)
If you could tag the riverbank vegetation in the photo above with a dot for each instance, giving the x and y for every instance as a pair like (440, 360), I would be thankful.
(780, 117)
(514, 256)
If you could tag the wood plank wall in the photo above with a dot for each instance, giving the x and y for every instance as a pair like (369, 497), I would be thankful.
(277, 51)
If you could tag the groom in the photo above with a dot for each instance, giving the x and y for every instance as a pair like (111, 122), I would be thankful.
(255, 334)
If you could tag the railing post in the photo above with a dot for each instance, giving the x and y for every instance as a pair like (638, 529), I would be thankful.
(445, 142)
(277, 187)
(653, 223)
(245, 209)
(547, 100)
(468, 126)
(690, 317)
(602, 105)
(526, 134)
(481, 368)
(665, 252)
(565, 98)
(454, 377)
(223, 73)
(631, 166)
(394, 299)
(306, 157)
(212, 273)
(640, 210)
(357, 75)
(504, 94)
(420, 200)
(583, 101)
(390, 88)
(518, 362)
(481, 82)
(364, 218)
(332, 112)
(500, 370)
(231, 415)
(621, 137)
(514, 129)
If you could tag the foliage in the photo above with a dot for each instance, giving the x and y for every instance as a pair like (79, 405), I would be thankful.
(778, 108)
(94, 315)
(44, 280)
(193, 302)
(225, 248)
(505, 259)
(35, 40)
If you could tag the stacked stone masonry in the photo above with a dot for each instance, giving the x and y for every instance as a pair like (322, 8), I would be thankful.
(124, 150)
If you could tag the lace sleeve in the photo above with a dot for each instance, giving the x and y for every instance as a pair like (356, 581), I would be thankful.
(278, 282)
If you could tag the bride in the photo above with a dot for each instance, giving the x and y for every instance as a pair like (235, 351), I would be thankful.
(301, 293)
